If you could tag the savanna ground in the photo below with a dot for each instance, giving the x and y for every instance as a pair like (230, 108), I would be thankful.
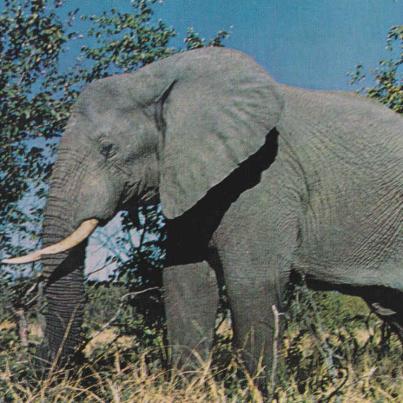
(333, 349)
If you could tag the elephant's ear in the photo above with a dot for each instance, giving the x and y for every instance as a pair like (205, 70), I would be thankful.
(216, 114)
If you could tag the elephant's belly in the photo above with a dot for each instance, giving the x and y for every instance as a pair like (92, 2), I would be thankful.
(353, 236)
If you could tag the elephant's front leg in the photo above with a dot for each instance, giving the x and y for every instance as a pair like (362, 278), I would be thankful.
(191, 300)
(255, 306)
(255, 242)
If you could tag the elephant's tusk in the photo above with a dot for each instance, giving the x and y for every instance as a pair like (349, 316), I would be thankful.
(80, 234)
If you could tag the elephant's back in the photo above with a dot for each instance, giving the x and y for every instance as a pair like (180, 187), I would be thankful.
(350, 153)
(346, 118)
(334, 133)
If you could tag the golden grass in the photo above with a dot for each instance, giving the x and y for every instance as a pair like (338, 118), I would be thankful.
(136, 383)
(117, 376)
(7, 325)
(343, 361)
(107, 336)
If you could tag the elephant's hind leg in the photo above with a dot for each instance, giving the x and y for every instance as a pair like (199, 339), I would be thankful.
(191, 301)
(387, 304)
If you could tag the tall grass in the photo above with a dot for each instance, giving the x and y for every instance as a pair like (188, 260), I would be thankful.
(333, 349)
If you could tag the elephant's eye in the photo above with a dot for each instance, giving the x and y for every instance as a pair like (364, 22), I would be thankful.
(108, 150)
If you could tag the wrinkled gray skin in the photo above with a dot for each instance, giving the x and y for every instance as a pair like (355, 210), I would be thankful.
(257, 181)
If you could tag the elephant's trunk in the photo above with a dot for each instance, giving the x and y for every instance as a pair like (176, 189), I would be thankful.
(80, 196)
(65, 303)
(63, 271)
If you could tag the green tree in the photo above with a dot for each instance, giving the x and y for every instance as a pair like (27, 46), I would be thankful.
(388, 87)
(35, 100)
(125, 41)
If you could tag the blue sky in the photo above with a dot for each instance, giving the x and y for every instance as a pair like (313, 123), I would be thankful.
(308, 43)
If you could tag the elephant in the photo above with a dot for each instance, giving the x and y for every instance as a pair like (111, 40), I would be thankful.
(257, 181)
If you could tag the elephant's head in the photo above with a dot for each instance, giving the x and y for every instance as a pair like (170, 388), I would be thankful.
(172, 130)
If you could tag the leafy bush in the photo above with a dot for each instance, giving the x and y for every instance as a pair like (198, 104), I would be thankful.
(388, 88)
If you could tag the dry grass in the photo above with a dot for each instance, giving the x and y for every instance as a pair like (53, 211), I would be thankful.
(344, 360)
(139, 382)
(117, 376)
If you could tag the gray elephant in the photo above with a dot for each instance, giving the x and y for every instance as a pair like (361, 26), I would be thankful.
(257, 181)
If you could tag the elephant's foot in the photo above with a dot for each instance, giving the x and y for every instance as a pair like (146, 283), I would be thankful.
(391, 317)
(386, 303)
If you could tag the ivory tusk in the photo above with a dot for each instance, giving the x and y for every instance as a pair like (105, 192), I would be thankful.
(85, 229)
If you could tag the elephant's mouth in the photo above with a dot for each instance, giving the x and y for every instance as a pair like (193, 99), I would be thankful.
(84, 230)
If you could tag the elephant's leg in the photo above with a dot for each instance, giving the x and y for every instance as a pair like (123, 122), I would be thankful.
(256, 242)
(191, 300)
(256, 302)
